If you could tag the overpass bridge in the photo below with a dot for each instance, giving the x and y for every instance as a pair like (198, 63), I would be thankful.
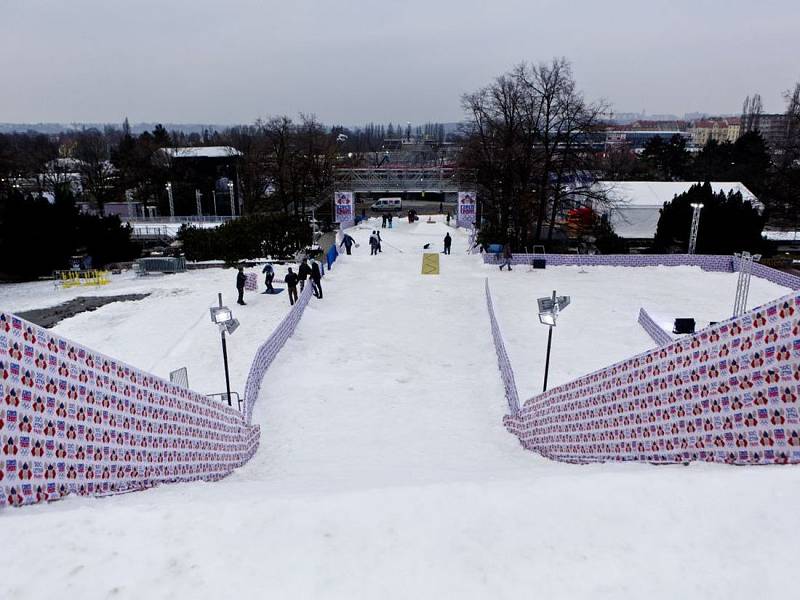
(409, 180)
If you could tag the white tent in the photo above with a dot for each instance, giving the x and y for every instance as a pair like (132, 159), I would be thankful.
(637, 204)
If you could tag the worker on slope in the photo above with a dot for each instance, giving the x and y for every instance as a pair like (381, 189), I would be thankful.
(347, 242)
(303, 272)
(269, 276)
(447, 241)
(316, 279)
(506, 256)
(241, 278)
(291, 284)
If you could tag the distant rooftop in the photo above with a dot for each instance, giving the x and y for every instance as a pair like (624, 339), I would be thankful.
(202, 152)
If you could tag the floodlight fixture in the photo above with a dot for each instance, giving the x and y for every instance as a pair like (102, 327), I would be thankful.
(231, 325)
(549, 307)
(222, 317)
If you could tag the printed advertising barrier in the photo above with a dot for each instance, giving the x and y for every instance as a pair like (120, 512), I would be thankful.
(467, 202)
(503, 363)
(344, 204)
(267, 352)
(74, 421)
(726, 394)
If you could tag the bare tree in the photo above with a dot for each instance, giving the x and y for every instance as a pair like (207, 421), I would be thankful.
(751, 113)
(528, 139)
(93, 164)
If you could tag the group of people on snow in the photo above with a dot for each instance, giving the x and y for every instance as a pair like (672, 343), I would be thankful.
(305, 272)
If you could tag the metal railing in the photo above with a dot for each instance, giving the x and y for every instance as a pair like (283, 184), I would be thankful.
(425, 179)
(182, 219)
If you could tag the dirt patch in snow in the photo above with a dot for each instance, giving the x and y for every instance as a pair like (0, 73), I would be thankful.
(50, 317)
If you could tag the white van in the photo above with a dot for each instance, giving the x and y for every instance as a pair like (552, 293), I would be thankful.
(388, 204)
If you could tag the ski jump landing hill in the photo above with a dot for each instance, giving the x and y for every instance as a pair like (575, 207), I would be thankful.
(728, 393)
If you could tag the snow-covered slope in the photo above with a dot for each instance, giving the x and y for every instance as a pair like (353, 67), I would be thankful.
(384, 469)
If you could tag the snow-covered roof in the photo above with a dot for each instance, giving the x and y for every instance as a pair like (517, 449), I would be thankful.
(637, 204)
(656, 193)
(202, 152)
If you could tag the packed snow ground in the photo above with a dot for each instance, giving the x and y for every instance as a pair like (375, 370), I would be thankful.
(384, 469)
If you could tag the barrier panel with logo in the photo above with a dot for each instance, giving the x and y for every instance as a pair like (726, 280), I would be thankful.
(74, 421)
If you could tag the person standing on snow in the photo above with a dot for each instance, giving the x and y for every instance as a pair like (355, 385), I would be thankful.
(241, 278)
(347, 242)
(303, 272)
(291, 284)
(506, 256)
(378, 238)
(389, 219)
(269, 275)
(447, 241)
(316, 279)
(383, 220)
(373, 244)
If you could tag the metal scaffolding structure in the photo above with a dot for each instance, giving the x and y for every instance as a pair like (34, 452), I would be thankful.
(743, 284)
(412, 180)
(696, 208)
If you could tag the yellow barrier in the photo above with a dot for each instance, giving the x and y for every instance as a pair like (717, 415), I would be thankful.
(430, 264)
(68, 279)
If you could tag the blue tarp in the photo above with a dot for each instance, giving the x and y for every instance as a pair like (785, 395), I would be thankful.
(330, 256)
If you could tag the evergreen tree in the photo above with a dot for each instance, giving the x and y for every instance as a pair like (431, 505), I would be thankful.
(728, 223)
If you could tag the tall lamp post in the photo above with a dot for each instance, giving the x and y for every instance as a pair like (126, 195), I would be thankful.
(233, 201)
(198, 197)
(696, 208)
(222, 317)
(171, 201)
(549, 307)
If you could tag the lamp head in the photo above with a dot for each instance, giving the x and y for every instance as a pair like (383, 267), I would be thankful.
(221, 315)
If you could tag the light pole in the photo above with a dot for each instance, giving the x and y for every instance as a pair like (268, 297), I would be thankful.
(696, 208)
(198, 198)
(171, 201)
(233, 201)
(223, 318)
(549, 307)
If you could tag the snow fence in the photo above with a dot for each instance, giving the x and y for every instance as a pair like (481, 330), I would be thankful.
(74, 421)
(707, 262)
(503, 363)
(729, 394)
(267, 352)
(659, 335)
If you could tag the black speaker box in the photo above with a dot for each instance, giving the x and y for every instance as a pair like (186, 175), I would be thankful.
(683, 326)
(539, 263)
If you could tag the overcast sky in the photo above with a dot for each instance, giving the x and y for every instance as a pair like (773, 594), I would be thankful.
(354, 61)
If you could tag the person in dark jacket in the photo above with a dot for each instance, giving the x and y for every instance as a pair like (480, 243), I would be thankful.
(240, 280)
(269, 276)
(389, 220)
(506, 257)
(347, 242)
(303, 272)
(447, 241)
(291, 285)
(316, 279)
